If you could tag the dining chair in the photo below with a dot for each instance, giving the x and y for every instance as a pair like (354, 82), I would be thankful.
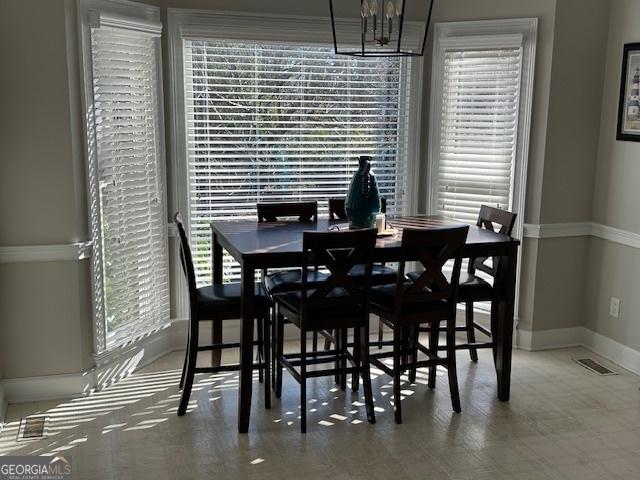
(339, 303)
(381, 275)
(290, 279)
(431, 299)
(218, 303)
(473, 288)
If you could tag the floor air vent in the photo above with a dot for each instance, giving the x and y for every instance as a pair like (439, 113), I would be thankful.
(594, 366)
(33, 427)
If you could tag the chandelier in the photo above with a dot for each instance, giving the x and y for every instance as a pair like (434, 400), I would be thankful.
(383, 31)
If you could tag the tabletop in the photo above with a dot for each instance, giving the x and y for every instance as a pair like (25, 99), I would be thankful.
(248, 238)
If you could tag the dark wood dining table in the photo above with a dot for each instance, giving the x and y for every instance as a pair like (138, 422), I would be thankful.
(258, 246)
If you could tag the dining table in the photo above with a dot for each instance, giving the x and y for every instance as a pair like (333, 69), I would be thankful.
(260, 246)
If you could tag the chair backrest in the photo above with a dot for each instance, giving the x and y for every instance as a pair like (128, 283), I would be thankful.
(274, 212)
(338, 211)
(339, 252)
(432, 248)
(496, 220)
(186, 259)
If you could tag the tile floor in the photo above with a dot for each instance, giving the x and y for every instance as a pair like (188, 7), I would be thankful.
(562, 422)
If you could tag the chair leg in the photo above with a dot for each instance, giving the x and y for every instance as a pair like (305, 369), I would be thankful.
(274, 352)
(327, 342)
(355, 377)
(366, 373)
(343, 358)
(216, 337)
(451, 366)
(380, 332)
(397, 371)
(303, 381)
(434, 336)
(260, 352)
(190, 372)
(337, 333)
(471, 331)
(413, 345)
(315, 341)
(266, 346)
(279, 353)
(186, 358)
(494, 328)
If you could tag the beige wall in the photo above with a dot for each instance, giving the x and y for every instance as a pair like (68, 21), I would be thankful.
(614, 270)
(579, 49)
(577, 72)
(45, 320)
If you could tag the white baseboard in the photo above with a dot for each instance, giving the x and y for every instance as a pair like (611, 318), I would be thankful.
(549, 339)
(48, 387)
(616, 352)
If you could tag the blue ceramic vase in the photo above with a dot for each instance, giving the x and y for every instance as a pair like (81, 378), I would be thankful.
(363, 198)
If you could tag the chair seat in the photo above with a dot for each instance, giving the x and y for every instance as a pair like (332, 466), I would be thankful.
(288, 280)
(383, 300)
(223, 297)
(380, 274)
(472, 287)
(291, 307)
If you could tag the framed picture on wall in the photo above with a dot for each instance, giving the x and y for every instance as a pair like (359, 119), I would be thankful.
(629, 110)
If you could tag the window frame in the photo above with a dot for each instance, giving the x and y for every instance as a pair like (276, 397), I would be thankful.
(132, 16)
(484, 33)
(283, 29)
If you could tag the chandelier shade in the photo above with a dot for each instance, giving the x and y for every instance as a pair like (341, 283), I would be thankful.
(380, 28)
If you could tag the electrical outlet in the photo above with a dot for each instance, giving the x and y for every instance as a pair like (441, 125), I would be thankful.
(614, 307)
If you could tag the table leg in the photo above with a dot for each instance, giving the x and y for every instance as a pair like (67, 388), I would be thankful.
(216, 260)
(246, 347)
(505, 312)
(216, 269)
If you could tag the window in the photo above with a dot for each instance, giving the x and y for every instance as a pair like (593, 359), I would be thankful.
(479, 128)
(283, 122)
(130, 270)
(482, 82)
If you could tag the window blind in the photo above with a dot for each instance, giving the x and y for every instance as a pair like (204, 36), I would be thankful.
(129, 208)
(478, 132)
(273, 122)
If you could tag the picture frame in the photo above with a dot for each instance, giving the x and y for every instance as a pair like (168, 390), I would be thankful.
(629, 107)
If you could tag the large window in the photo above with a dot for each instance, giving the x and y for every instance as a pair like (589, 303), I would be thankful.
(278, 122)
(128, 219)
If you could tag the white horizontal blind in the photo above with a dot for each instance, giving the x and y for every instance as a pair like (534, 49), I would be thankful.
(130, 207)
(273, 122)
(478, 132)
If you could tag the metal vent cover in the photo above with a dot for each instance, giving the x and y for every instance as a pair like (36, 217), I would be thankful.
(595, 367)
(33, 427)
